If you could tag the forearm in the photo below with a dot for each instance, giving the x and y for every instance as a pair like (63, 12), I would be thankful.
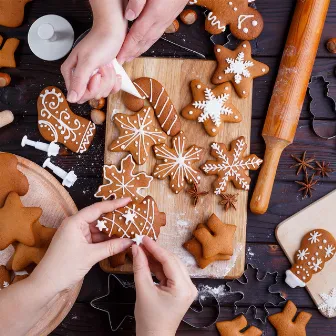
(23, 304)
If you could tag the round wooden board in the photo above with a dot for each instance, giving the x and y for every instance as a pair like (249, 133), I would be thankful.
(46, 192)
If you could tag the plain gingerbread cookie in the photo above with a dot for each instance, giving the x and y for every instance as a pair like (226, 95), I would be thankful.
(12, 12)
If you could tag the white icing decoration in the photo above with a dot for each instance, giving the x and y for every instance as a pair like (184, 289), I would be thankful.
(254, 23)
(138, 239)
(328, 306)
(215, 22)
(129, 217)
(213, 107)
(239, 67)
(314, 237)
(101, 225)
(293, 281)
(245, 30)
(241, 20)
(316, 265)
(302, 254)
(329, 251)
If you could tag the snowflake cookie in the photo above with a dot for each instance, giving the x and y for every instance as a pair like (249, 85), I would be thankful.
(178, 163)
(245, 23)
(328, 305)
(134, 221)
(212, 107)
(123, 183)
(231, 165)
(137, 134)
(317, 247)
(238, 67)
(57, 123)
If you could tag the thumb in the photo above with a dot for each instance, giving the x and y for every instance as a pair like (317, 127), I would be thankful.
(142, 274)
(134, 9)
(109, 248)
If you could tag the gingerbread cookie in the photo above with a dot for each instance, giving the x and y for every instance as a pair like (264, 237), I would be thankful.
(178, 163)
(216, 238)
(26, 255)
(134, 220)
(123, 183)
(238, 67)
(57, 123)
(159, 99)
(317, 247)
(245, 23)
(235, 327)
(231, 165)
(212, 107)
(286, 325)
(12, 12)
(5, 278)
(7, 59)
(194, 247)
(11, 178)
(137, 134)
(16, 222)
(120, 258)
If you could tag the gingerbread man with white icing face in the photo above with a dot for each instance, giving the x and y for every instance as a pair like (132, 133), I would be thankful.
(245, 23)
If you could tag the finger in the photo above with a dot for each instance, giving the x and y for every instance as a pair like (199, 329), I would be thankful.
(142, 274)
(93, 88)
(99, 237)
(80, 79)
(117, 85)
(93, 212)
(134, 9)
(67, 68)
(109, 248)
(109, 75)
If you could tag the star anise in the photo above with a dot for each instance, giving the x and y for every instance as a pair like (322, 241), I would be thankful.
(195, 194)
(323, 169)
(302, 163)
(307, 185)
(229, 201)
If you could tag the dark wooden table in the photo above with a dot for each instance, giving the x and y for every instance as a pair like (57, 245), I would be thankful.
(262, 250)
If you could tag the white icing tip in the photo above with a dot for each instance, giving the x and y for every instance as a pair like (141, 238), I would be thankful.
(293, 281)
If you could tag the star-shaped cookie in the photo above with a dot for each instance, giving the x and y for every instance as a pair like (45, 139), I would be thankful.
(212, 107)
(137, 134)
(178, 163)
(123, 183)
(238, 67)
(11, 178)
(16, 222)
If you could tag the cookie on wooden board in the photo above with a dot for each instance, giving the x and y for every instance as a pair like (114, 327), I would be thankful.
(57, 123)
(159, 99)
(212, 107)
(11, 178)
(238, 67)
(12, 12)
(245, 23)
(7, 59)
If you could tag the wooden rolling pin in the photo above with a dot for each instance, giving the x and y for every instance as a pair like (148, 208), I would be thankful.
(289, 92)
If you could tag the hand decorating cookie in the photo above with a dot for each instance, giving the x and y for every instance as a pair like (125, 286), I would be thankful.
(231, 165)
(245, 23)
(178, 163)
(57, 123)
(7, 59)
(159, 99)
(11, 178)
(137, 134)
(238, 67)
(134, 221)
(12, 12)
(123, 183)
(212, 107)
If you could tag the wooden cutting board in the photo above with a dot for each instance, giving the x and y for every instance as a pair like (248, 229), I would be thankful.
(182, 217)
(320, 215)
(46, 192)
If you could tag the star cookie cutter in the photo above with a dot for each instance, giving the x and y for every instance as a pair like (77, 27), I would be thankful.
(316, 89)
(116, 288)
(275, 297)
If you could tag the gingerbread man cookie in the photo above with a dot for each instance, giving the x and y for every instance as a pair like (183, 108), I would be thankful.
(12, 12)
(5, 277)
(178, 163)
(11, 178)
(245, 23)
(57, 123)
(212, 107)
(16, 222)
(238, 67)
(123, 183)
(137, 134)
(7, 59)
(159, 99)
(134, 221)
(236, 327)
(231, 165)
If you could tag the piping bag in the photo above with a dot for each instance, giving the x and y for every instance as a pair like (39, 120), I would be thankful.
(126, 83)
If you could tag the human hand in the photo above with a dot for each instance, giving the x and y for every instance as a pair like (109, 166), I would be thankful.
(154, 18)
(160, 308)
(77, 246)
